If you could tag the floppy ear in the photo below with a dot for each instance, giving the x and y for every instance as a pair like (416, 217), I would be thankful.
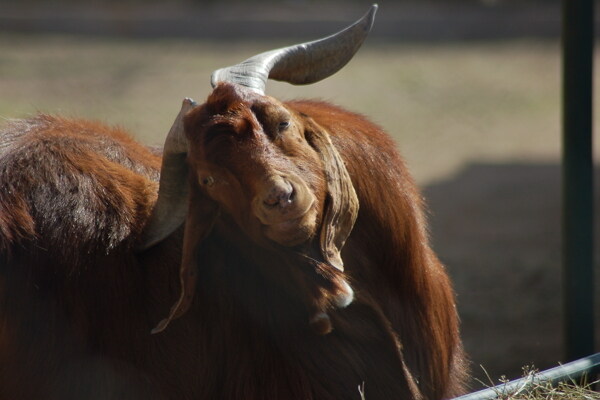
(341, 204)
(201, 216)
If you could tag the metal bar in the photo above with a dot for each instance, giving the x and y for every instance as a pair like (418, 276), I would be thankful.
(577, 217)
(565, 373)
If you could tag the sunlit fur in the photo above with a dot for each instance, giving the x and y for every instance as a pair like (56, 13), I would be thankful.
(388, 255)
(77, 303)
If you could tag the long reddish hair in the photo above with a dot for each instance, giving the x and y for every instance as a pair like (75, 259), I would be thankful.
(77, 302)
(390, 251)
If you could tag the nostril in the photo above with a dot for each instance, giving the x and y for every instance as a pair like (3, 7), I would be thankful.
(282, 194)
(271, 201)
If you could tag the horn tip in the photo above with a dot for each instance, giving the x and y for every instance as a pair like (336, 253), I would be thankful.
(214, 78)
(162, 325)
(189, 102)
(371, 14)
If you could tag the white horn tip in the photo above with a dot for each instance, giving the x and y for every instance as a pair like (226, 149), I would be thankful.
(371, 15)
(189, 102)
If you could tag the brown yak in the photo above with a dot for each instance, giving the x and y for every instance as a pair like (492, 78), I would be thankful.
(289, 237)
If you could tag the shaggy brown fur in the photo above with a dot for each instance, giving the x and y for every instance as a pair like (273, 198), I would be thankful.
(77, 303)
(390, 256)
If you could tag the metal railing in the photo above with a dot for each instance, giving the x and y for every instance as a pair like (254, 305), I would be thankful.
(570, 372)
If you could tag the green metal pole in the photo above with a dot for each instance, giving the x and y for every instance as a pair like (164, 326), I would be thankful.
(577, 47)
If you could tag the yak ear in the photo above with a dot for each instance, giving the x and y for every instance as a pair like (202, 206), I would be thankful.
(202, 213)
(341, 204)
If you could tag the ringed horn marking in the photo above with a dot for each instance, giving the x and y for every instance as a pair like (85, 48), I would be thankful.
(302, 63)
(299, 64)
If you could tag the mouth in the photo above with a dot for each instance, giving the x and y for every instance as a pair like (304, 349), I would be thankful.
(284, 213)
(286, 209)
(292, 231)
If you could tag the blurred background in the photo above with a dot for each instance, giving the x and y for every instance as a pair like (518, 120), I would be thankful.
(470, 90)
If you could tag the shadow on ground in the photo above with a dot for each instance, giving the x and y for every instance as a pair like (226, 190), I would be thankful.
(497, 228)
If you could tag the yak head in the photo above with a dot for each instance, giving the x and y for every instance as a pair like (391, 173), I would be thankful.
(255, 159)
(250, 163)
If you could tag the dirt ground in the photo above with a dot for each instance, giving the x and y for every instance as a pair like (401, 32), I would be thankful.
(497, 228)
(478, 122)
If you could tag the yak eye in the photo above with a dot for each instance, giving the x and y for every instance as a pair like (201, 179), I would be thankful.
(283, 125)
(208, 181)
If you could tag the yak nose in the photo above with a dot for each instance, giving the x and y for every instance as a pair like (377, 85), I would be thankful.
(282, 199)
(281, 193)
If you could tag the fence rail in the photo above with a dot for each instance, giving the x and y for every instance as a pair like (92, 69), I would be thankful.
(565, 373)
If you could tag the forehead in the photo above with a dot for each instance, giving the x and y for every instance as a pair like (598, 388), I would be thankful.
(227, 99)
(235, 109)
(232, 109)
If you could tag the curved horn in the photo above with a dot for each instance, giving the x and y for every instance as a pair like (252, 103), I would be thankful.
(302, 63)
(171, 206)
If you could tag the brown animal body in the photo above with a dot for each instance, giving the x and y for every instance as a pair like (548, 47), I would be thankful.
(302, 271)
